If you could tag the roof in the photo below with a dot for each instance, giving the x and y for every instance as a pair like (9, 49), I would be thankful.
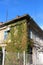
(29, 19)
(36, 27)
(15, 20)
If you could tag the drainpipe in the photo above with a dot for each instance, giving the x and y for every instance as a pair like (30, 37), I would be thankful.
(3, 51)
(24, 57)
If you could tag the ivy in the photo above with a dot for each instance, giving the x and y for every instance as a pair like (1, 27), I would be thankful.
(18, 37)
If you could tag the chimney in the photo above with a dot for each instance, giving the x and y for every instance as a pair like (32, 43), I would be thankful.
(17, 16)
(1, 23)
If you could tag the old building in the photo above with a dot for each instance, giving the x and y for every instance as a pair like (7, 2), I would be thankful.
(21, 34)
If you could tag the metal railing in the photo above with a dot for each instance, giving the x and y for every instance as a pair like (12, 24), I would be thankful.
(18, 59)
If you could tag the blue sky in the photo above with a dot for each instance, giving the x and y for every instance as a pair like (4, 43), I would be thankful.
(20, 7)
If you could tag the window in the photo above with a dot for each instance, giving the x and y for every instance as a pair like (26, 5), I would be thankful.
(29, 51)
(30, 34)
(5, 34)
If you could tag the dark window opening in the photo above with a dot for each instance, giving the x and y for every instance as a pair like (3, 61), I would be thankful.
(29, 49)
(1, 56)
(29, 52)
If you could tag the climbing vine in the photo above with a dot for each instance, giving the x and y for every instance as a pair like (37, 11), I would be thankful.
(17, 37)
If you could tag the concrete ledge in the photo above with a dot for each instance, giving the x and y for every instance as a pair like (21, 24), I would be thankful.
(1, 45)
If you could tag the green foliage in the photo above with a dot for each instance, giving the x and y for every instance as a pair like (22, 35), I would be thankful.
(18, 37)
(29, 46)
